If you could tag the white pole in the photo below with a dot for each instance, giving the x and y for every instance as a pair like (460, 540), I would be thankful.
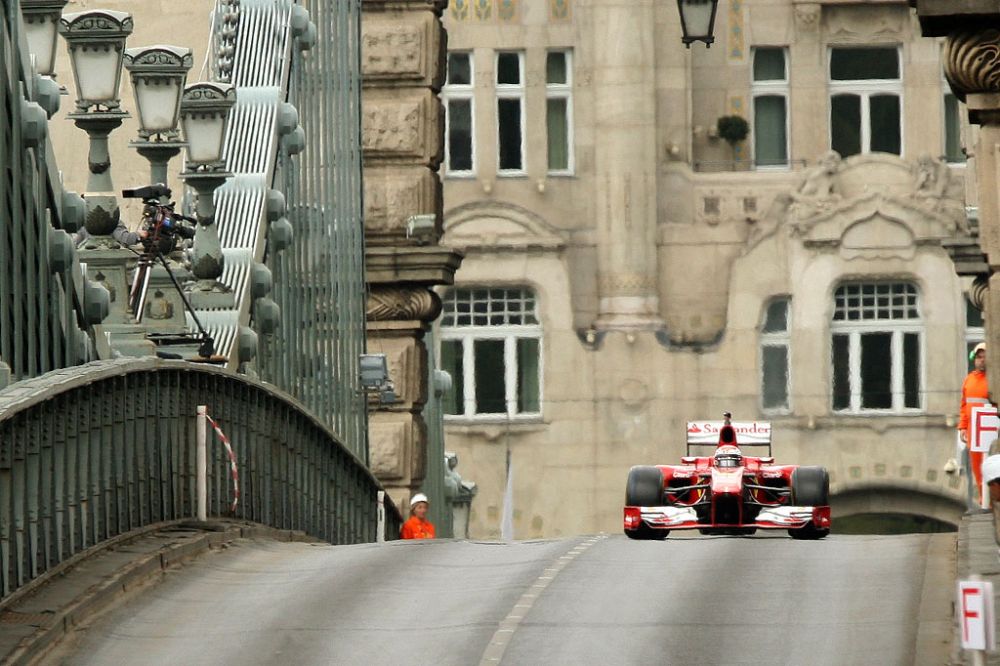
(380, 531)
(201, 465)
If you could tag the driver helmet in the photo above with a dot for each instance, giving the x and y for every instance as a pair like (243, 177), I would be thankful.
(728, 456)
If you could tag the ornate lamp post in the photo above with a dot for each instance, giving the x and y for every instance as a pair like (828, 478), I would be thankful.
(204, 114)
(41, 20)
(96, 42)
(698, 21)
(158, 76)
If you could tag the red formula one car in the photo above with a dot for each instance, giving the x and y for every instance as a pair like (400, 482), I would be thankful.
(727, 492)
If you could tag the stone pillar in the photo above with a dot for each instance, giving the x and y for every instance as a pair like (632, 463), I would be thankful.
(625, 163)
(971, 60)
(403, 61)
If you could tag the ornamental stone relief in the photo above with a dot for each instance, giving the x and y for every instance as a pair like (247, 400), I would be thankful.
(875, 24)
(402, 304)
(395, 50)
(972, 62)
(869, 206)
(392, 195)
(401, 129)
(807, 18)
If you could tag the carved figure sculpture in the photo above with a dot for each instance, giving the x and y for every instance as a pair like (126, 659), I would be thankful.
(932, 177)
(819, 181)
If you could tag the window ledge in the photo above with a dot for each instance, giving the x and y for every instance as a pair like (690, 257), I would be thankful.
(494, 430)
(879, 422)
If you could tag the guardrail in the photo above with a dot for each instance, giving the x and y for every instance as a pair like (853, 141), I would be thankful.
(92, 452)
(46, 303)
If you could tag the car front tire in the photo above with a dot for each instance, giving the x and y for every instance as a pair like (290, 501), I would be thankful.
(645, 488)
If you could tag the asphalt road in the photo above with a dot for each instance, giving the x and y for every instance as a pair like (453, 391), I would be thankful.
(589, 600)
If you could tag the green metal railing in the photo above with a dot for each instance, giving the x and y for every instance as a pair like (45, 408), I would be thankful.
(92, 452)
(319, 279)
(43, 294)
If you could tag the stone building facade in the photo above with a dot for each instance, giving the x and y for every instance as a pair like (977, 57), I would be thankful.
(627, 269)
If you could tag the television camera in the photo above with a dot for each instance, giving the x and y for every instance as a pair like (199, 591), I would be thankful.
(163, 229)
(163, 226)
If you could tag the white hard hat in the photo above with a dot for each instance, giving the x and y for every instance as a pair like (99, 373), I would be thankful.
(419, 497)
(991, 468)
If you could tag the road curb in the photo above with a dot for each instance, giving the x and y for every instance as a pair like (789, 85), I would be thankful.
(138, 572)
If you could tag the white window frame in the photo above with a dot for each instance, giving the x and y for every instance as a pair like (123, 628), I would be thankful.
(515, 92)
(897, 328)
(462, 92)
(772, 88)
(510, 334)
(561, 91)
(777, 339)
(866, 89)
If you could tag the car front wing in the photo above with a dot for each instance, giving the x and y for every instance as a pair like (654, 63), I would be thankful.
(683, 517)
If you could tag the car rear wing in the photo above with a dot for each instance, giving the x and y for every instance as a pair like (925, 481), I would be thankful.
(748, 433)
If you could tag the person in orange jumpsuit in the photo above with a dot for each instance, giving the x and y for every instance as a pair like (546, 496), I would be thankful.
(975, 393)
(417, 526)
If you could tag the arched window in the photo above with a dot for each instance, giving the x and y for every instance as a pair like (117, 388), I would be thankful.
(877, 350)
(491, 345)
(774, 356)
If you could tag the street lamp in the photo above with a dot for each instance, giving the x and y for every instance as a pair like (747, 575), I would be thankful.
(158, 76)
(698, 21)
(96, 41)
(204, 114)
(41, 20)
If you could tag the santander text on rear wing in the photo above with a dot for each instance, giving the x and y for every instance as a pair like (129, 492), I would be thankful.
(748, 433)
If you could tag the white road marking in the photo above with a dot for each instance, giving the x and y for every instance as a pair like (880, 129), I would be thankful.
(501, 637)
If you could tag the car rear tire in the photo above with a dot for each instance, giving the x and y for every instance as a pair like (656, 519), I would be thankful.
(810, 487)
(645, 488)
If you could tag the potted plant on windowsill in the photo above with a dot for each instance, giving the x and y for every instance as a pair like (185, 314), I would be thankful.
(734, 129)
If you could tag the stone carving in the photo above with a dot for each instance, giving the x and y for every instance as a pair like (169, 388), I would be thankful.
(977, 294)
(932, 177)
(393, 51)
(105, 280)
(401, 129)
(455, 488)
(881, 24)
(392, 127)
(923, 200)
(159, 307)
(392, 196)
(972, 62)
(817, 193)
(498, 225)
(401, 304)
(807, 17)
(819, 181)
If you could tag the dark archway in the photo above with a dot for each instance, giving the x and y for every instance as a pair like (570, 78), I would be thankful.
(890, 523)
(894, 510)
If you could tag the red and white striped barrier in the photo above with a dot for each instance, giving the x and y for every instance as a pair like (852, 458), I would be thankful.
(232, 463)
